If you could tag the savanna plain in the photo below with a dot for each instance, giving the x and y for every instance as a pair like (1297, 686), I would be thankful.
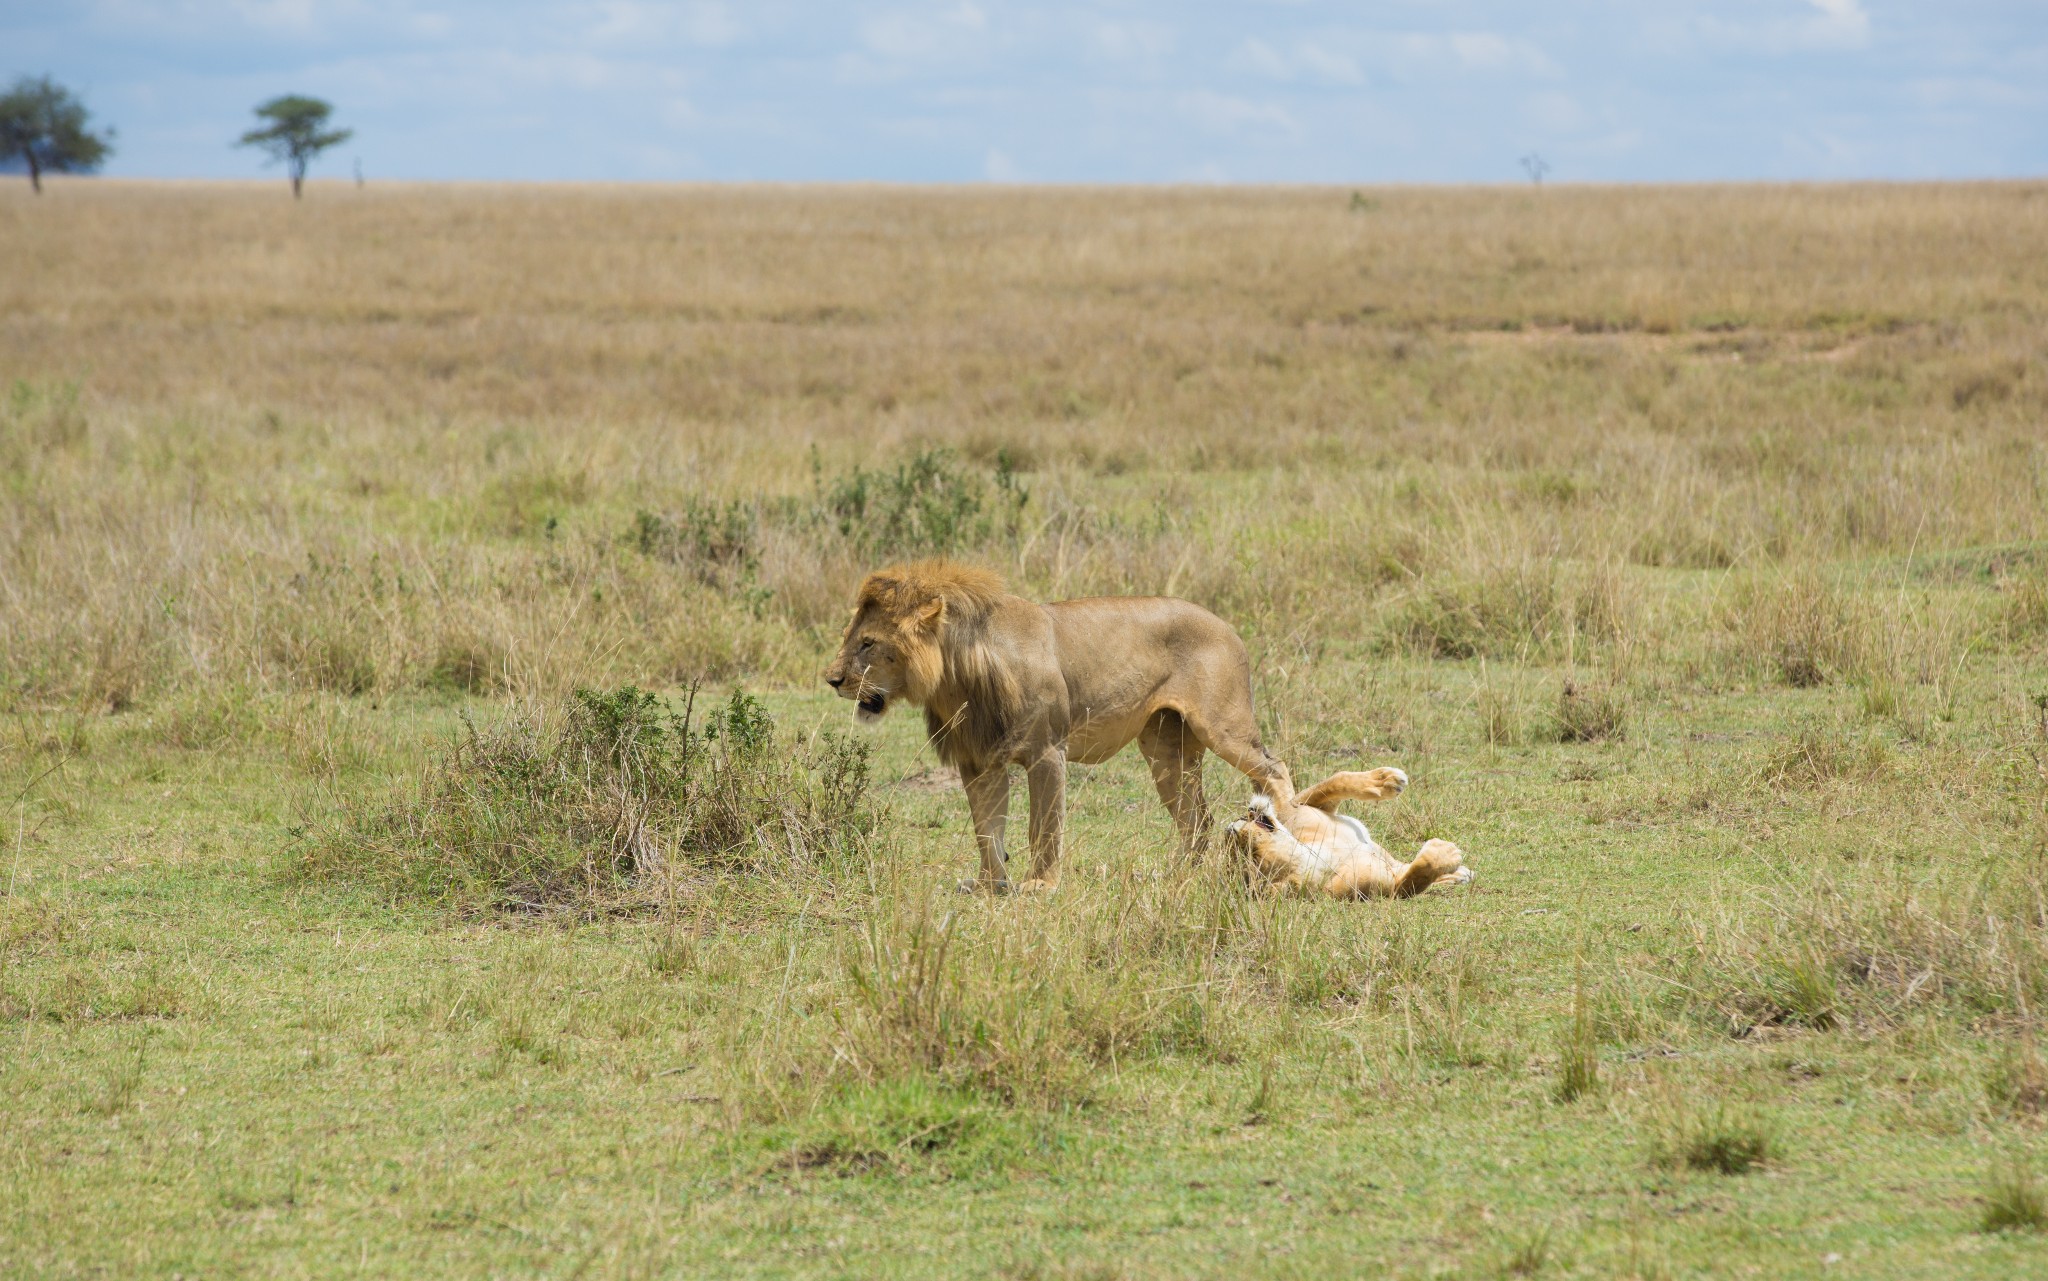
(429, 848)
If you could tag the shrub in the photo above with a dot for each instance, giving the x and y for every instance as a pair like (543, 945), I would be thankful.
(573, 810)
(931, 503)
(719, 544)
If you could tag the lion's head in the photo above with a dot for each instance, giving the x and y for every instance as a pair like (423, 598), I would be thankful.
(905, 619)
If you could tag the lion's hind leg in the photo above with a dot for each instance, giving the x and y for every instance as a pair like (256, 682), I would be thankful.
(1174, 755)
(1437, 860)
(1380, 784)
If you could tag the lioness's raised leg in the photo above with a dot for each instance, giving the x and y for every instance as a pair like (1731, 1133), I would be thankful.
(1379, 784)
(1175, 757)
(988, 800)
(1047, 779)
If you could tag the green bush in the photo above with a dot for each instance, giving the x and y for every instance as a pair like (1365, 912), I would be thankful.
(932, 503)
(576, 810)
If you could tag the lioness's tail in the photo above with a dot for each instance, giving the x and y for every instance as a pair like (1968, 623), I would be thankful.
(1434, 861)
(1354, 785)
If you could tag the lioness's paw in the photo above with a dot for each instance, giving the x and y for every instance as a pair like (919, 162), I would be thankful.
(995, 889)
(1038, 885)
(1390, 780)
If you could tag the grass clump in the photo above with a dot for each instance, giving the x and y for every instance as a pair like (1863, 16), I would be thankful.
(1818, 755)
(1720, 1140)
(577, 808)
(1578, 1068)
(1528, 1255)
(993, 1021)
(902, 1126)
(1591, 713)
(2014, 1200)
(2017, 1083)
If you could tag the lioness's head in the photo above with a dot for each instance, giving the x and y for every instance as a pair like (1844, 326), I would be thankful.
(894, 646)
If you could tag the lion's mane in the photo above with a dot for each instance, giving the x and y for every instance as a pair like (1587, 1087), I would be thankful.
(972, 703)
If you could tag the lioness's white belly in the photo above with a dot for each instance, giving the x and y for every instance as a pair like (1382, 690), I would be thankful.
(1347, 842)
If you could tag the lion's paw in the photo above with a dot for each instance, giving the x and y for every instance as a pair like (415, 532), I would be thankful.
(1390, 779)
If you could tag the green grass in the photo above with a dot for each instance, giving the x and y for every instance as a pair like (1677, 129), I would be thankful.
(1686, 547)
(215, 1064)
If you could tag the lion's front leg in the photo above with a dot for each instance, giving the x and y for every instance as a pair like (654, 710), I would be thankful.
(988, 801)
(1047, 778)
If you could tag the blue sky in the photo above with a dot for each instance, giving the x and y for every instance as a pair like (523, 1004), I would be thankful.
(1139, 91)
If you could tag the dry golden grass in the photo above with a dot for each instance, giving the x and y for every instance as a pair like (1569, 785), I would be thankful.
(400, 435)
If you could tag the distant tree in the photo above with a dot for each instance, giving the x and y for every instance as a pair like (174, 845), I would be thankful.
(297, 132)
(1535, 166)
(43, 125)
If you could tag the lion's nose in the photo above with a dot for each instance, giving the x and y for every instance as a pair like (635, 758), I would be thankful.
(835, 681)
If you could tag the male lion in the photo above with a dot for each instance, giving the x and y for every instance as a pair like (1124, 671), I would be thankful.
(1316, 848)
(1004, 681)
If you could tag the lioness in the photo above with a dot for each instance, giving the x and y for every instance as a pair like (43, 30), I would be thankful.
(1318, 849)
(1004, 681)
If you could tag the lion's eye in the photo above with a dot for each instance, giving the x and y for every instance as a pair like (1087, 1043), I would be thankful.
(867, 643)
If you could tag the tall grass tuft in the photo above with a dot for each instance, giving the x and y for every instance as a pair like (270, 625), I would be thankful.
(1578, 1066)
(993, 1026)
(1590, 713)
(1723, 1139)
(577, 809)
(2013, 1199)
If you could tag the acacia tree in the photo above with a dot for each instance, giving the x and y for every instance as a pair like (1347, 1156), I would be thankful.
(43, 124)
(297, 132)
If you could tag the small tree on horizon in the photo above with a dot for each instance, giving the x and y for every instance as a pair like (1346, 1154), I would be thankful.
(44, 124)
(297, 132)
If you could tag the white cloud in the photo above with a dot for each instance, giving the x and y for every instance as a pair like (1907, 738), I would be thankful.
(281, 15)
(1487, 52)
(1133, 42)
(1329, 65)
(1306, 61)
(1779, 27)
(1257, 56)
(1225, 113)
(1843, 21)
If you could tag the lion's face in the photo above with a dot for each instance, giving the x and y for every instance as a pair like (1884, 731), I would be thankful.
(871, 668)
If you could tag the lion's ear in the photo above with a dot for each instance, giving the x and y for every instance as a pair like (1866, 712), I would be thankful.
(931, 615)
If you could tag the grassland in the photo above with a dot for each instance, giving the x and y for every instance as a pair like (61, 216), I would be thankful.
(1689, 547)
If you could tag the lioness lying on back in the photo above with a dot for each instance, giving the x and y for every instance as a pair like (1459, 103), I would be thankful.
(1316, 848)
